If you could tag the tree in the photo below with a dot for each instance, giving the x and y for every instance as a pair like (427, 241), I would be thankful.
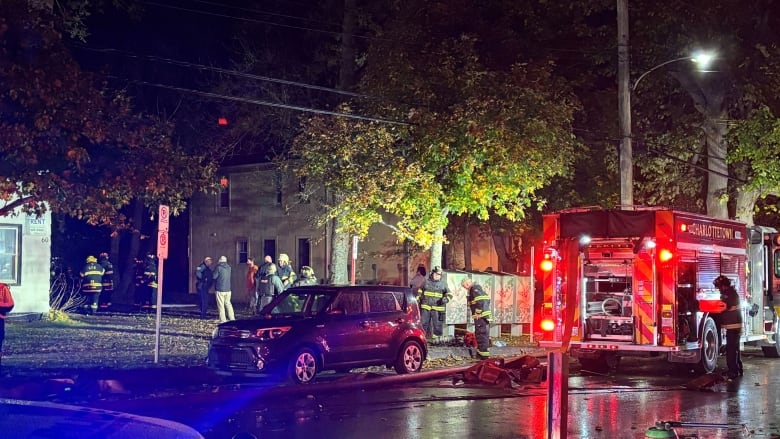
(482, 139)
(71, 144)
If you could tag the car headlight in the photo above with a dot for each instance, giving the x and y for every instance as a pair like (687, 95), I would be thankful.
(266, 334)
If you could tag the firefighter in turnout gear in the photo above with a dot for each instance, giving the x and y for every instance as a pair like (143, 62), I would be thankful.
(92, 283)
(479, 303)
(150, 280)
(433, 302)
(109, 279)
(731, 321)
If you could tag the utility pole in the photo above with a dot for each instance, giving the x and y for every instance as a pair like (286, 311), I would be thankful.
(626, 155)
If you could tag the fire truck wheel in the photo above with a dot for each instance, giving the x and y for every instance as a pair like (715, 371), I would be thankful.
(773, 351)
(709, 347)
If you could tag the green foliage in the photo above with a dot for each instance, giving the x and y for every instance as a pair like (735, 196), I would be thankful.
(756, 149)
(71, 144)
(482, 139)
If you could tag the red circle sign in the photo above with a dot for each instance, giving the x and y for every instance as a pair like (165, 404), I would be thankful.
(163, 239)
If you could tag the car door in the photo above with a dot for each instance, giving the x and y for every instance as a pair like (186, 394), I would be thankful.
(384, 323)
(346, 330)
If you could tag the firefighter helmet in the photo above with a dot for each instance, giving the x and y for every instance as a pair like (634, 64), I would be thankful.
(103, 256)
(91, 258)
(721, 281)
(283, 257)
(307, 271)
(436, 270)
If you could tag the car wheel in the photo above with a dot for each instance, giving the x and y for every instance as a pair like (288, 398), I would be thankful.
(410, 358)
(303, 366)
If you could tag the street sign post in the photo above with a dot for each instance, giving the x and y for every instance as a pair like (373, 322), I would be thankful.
(163, 223)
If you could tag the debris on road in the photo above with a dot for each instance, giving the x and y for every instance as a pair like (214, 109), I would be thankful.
(497, 372)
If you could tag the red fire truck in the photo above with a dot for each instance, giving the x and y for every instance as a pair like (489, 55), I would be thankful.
(639, 282)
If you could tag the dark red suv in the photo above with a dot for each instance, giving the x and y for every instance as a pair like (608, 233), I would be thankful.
(309, 329)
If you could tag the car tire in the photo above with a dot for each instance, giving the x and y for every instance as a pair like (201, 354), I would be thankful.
(303, 366)
(410, 358)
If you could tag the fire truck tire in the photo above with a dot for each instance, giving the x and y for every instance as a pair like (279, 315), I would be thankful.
(773, 351)
(709, 347)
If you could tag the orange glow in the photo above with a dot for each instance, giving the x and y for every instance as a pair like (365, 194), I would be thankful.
(547, 325)
(683, 227)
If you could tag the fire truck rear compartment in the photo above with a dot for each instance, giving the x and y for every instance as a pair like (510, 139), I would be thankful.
(608, 296)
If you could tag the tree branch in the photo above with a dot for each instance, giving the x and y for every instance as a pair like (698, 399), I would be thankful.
(9, 208)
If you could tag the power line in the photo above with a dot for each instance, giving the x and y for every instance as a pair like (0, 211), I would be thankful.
(254, 20)
(261, 102)
(223, 71)
(271, 14)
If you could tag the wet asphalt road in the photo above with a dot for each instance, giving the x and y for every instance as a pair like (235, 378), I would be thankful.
(622, 405)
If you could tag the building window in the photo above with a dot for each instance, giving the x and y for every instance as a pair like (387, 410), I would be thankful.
(10, 261)
(224, 197)
(304, 252)
(269, 248)
(242, 250)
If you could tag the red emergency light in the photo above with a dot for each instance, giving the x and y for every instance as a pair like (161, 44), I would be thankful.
(547, 325)
(665, 255)
(222, 121)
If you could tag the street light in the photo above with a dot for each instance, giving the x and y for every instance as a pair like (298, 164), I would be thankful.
(701, 59)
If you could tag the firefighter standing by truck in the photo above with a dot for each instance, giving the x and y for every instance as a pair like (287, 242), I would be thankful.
(479, 303)
(731, 321)
(433, 303)
(92, 283)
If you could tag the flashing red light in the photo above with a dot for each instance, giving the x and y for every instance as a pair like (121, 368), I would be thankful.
(222, 121)
(547, 325)
(683, 227)
(224, 182)
(546, 265)
(665, 255)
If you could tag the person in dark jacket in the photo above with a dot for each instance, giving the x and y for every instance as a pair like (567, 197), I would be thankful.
(433, 302)
(307, 277)
(418, 280)
(270, 287)
(109, 281)
(204, 280)
(222, 274)
(479, 303)
(731, 321)
(92, 283)
(139, 288)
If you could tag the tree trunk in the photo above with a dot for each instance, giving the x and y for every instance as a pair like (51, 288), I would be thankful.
(746, 202)
(123, 292)
(506, 260)
(340, 243)
(717, 182)
(438, 241)
(466, 245)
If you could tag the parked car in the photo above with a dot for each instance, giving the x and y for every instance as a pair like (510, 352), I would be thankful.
(309, 329)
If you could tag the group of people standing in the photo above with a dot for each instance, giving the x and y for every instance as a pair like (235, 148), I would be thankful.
(98, 281)
(263, 283)
(433, 295)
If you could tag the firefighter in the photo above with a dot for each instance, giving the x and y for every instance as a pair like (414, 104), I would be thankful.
(433, 302)
(479, 302)
(139, 287)
(150, 280)
(731, 321)
(92, 283)
(109, 280)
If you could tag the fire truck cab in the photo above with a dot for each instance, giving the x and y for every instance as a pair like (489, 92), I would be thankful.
(639, 282)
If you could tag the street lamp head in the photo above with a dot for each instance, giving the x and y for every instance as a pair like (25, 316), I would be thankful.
(702, 59)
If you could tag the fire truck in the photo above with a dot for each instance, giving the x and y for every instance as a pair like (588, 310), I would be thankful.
(639, 283)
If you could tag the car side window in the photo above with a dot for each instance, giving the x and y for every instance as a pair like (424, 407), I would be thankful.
(382, 302)
(350, 302)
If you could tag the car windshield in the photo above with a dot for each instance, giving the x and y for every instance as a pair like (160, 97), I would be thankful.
(294, 302)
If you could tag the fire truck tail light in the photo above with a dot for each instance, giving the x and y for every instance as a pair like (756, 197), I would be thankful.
(546, 265)
(547, 325)
(665, 255)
